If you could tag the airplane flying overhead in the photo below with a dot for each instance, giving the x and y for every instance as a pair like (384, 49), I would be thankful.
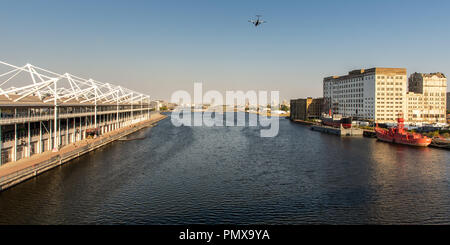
(258, 21)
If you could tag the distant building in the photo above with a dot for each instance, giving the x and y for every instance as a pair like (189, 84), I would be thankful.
(309, 108)
(426, 100)
(156, 104)
(374, 94)
(171, 106)
(414, 107)
(448, 101)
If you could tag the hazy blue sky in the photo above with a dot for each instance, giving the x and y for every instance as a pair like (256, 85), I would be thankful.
(158, 47)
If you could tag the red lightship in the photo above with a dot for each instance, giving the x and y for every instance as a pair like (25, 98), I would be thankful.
(400, 136)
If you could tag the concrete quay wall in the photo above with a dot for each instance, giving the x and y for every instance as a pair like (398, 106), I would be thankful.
(338, 131)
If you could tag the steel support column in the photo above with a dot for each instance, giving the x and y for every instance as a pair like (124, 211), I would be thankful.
(15, 142)
(1, 140)
(40, 137)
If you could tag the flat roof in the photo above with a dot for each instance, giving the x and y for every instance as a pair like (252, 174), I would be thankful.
(375, 70)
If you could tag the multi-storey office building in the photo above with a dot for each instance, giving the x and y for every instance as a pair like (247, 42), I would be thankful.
(427, 97)
(375, 94)
(53, 110)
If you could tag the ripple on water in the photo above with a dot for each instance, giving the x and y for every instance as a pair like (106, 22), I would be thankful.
(203, 175)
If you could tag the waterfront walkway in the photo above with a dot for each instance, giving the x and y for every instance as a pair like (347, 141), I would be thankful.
(22, 164)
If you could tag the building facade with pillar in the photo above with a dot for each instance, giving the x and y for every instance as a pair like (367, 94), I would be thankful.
(51, 110)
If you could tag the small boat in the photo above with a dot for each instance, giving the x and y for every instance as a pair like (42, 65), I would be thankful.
(399, 135)
(336, 120)
(440, 142)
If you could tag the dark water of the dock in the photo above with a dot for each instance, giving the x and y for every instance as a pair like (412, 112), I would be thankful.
(185, 175)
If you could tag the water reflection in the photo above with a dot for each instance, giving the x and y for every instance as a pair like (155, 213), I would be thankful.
(182, 175)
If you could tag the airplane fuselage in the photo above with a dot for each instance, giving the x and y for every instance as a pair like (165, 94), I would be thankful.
(256, 22)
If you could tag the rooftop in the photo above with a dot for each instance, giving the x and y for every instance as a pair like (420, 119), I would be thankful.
(31, 85)
(437, 74)
(375, 70)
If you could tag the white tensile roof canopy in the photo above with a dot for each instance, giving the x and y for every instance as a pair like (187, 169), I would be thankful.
(33, 85)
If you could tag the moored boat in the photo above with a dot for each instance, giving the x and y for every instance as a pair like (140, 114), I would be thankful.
(399, 135)
(440, 142)
(336, 120)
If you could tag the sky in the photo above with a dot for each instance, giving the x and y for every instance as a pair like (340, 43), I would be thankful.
(158, 47)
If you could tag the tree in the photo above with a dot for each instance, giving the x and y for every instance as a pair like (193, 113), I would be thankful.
(435, 133)
(284, 108)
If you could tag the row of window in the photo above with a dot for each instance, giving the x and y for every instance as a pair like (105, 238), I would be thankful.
(390, 107)
(389, 94)
(389, 102)
(389, 89)
(434, 94)
(428, 115)
(386, 119)
(343, 106)
(389, 77)
(390, 83)
(389, 110)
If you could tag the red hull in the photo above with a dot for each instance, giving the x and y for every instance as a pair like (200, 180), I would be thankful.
(400, 136)
(335, 123)
(403, 140)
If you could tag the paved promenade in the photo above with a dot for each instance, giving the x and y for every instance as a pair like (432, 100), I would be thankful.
(24, 163)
